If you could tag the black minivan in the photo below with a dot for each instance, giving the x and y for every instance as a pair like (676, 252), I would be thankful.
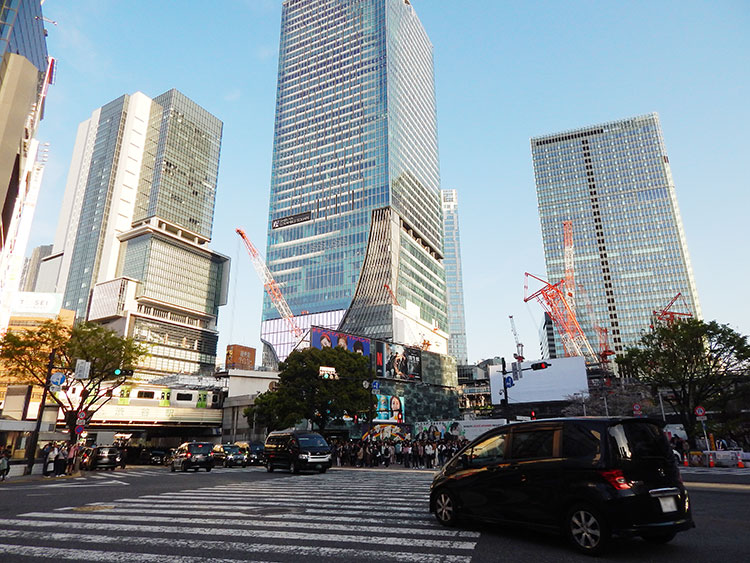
(296, 450)
(589, 478)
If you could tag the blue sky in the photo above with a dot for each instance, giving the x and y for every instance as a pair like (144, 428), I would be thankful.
(505, 71)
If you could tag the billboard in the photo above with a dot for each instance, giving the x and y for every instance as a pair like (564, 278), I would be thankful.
(240, 357)
(454, 429)
(398, 362)
(390, 408)
(563, 377)
(323, 338)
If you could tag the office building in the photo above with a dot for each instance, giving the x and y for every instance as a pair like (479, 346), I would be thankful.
(355, 232)
(131, 249)
(548, 344)
(31, 267)
(613, 182)
(454, 278)
(25, 74)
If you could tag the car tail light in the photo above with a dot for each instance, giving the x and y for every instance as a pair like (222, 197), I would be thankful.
(616, 478)
(188, 454)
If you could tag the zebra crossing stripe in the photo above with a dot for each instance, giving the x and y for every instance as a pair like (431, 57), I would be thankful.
(75, 554)
(148, 516)
(55, 522)
(205, 545)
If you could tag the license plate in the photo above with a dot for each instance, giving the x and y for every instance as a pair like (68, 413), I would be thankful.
(668, 504)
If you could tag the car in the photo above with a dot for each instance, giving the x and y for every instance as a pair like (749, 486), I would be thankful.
(590, 478)
(296, 450)
(229, 455)
(101, 457)
(193, 455)
(156, 457)
(254, 453)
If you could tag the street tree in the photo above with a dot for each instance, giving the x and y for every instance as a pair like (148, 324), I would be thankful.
(691, 362)
(612, 399)
(303, 393)
(30, 356)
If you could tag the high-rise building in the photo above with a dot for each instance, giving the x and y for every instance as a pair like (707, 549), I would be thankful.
(31, 267)
(547, 341)
(25, 74)
(355, 221)
(131, 249)
(454, 278)
(613, 182)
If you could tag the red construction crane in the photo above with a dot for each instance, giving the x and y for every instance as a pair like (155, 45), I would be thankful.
(272, 288)
(671, 316)
(552, 299)
(568, 255)
(390, 292)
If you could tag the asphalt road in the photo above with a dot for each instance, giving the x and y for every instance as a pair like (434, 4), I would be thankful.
(150, 514)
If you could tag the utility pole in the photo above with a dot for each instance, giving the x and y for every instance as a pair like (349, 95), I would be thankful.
(31, 447)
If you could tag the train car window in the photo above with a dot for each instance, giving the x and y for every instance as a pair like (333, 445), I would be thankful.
(145, 394)
(184, 396)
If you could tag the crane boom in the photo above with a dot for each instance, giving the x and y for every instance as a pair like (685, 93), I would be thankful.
(272, 288)
(519, 347)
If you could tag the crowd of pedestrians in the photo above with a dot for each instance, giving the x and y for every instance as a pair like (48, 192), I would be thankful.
(59, 458)
(409, 454)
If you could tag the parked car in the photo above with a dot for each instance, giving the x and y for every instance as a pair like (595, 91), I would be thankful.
(193, 455)
(589, 478)
(156, 457)
(296, 450)
(100, 457)
(228, 455)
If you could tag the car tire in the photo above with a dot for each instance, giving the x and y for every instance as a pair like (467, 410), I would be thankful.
(269, 468)
(183, 467)
(171, 467)
(208, 468)
(446, 508)
(586, 529)
(664, 537)
(294, 467)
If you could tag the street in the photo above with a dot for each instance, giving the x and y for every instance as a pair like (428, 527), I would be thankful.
(150, 514)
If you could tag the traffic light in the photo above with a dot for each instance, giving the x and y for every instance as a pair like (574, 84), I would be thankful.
(533, 415)
(123, 372)
(541, 365)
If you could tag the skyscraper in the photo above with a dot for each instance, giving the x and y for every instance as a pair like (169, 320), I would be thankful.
(355, 218)
(131, 249)
(613, 182)
(454, 278)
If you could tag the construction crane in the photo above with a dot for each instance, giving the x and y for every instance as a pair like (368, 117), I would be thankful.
(390, 292)
(519, 347)
(668, 316)
(568, 256)
(552, 299)
(272, 288)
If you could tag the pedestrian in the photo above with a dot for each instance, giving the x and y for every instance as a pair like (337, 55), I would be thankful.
(72, 453)
(4, 465)
(61, 459)
(45, 453)
(50, 460)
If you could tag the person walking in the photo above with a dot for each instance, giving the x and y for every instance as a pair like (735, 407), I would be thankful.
(49, 461)
(61, 459)
(4, 464)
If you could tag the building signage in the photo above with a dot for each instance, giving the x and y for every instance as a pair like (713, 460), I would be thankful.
(390, 408)
(323, 338)
(398, 362)
(291, 220)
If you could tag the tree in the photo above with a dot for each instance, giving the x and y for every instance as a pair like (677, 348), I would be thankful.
(694, 361)
(29, 355)
(303, 394)
(619, 398)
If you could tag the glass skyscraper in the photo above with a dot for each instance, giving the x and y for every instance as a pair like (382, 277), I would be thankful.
(131, 249)
(613, 182)
(454, 278)
(355, 220)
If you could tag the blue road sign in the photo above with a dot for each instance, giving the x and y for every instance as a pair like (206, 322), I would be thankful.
(57, 378)
(509, 381)
(375, 385)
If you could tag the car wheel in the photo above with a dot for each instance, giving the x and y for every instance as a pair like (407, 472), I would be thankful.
(294, 467)
(208, 468)
(586, 529)
(446, 510)
(665, 537)
(171, 467)
(183, 468)
(269, 468)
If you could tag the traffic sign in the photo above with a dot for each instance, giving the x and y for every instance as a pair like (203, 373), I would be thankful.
(57, 378)
(636, 407)
(509, 381)
(699, 411)
(82, 415)
(79, 429)
(702, 417)
(82, 369)
(375, 385)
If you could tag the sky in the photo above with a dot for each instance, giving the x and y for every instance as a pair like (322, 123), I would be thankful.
(505, 71)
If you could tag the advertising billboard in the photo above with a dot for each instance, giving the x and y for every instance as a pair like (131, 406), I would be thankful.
(398, 362)
(323, 338)
(563, 377)
(240, 357)
(390, 408)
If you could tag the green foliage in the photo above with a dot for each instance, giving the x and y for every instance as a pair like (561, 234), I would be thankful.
(696, 362)
(25, 357)
(303, 394)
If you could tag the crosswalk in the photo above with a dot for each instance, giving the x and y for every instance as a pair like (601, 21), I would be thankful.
(341, 515)
(118, 477)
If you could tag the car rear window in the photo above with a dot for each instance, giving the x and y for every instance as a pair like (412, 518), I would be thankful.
(107, 451)
(638, 441)
(199, 448)
(307, 440)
